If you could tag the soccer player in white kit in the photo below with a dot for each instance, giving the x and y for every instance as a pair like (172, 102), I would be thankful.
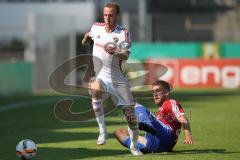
(111, 47)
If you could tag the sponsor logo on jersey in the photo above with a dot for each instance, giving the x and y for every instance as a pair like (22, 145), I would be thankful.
(115, 39)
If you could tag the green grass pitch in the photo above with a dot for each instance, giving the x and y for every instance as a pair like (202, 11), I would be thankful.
(214, 115)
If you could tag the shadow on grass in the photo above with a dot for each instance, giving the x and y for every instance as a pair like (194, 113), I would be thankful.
(54, 137)
(38, 122)
(77, 153)
(202, 151)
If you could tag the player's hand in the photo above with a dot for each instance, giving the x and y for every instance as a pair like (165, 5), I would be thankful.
(91, 80)
(188, 140)
(85, 41)
(111, 50)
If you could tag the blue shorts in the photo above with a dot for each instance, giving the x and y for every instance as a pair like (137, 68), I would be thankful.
(161, 141)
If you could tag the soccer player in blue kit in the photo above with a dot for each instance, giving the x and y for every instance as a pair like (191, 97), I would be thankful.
(161, 130)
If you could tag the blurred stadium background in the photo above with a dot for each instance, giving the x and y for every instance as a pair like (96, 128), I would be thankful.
(197, 40)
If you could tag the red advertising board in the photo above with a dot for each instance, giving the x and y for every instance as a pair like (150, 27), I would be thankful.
(197, 73)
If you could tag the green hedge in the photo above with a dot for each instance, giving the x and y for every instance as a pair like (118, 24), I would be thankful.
(230, 50)
(142, 51)
(15, 78)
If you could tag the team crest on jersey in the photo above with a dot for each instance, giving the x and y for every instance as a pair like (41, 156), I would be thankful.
(98, 37)
(115, 39)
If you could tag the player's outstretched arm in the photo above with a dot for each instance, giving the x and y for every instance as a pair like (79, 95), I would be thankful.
(187, 129)
(86, 39)
(122, 54)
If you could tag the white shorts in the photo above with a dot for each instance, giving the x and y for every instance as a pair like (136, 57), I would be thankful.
(119, 91)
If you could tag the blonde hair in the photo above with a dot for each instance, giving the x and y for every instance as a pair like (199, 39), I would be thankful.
(113, 5)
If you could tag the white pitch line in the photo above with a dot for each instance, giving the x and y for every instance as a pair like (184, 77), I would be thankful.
(34, 103)
(26, 104)
(43, 101)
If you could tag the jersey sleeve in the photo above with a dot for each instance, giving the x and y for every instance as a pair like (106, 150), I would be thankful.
(177, 108)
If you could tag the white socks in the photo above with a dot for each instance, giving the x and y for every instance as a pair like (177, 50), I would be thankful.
(133, 134)
(99, 113)
(101, 124)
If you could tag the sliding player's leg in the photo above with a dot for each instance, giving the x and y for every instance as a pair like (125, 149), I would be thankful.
(123, 138)
(145, 119)
(158, 134)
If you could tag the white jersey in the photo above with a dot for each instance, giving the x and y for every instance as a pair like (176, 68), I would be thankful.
(107, 66)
